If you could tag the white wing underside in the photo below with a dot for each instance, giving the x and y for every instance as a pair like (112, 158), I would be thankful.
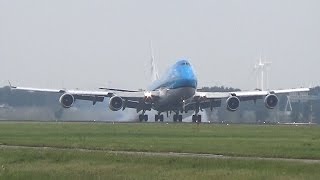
(141, 94)
(135, 100)
(221, 95)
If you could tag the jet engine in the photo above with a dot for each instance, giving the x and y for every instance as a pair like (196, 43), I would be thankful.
(66, 100)
(115, 103)
(233, 103)
(271, 101)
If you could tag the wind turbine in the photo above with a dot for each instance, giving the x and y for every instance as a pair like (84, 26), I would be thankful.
(261, 69)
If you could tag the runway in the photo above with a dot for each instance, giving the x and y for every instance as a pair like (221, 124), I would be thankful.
(163, 154)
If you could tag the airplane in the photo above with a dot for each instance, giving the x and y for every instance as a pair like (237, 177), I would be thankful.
(176, 91)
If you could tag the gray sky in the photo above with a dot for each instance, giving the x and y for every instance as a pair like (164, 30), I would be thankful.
(93, 43)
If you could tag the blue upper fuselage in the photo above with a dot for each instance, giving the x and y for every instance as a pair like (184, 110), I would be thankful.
(180, 75)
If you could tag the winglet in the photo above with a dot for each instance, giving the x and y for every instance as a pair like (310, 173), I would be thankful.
(11, 85)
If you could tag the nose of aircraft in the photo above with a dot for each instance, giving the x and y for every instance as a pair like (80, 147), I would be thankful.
(186, 74)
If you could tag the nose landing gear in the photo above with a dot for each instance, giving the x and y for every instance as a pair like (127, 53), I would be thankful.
(196, 118)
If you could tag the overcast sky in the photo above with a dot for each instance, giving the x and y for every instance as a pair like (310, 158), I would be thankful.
(93, 43)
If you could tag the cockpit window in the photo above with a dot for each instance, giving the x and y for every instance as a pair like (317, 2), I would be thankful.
(185, 64)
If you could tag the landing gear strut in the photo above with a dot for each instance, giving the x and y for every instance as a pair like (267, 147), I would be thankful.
(158, 117)
(196, 118)
(143, 117)
(177, 117)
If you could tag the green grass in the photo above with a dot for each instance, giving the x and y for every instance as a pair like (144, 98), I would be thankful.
(73, 164)
(232, 140)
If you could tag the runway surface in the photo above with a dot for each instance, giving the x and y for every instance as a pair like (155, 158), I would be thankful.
(164, 154)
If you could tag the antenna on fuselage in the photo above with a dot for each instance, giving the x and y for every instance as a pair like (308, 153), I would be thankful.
(153, 70)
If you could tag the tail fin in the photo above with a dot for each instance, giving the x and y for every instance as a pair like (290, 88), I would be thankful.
(153, 70)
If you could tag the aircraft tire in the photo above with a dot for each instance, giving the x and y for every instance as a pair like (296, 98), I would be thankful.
(141, 117)
(161, 118)
(175, 118)
(199, 118)
(194, 118)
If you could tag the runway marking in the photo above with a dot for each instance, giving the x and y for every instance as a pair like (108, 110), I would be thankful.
(164, 154)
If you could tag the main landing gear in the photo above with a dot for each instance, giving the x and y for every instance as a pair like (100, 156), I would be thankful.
(177, 118)
(158, 117)
(143, 117)
(196, 118)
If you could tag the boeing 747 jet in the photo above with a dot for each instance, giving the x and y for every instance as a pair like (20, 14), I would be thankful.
(176, 91)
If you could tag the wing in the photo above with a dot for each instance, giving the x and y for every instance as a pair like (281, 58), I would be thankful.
(203, 100)
(78, 94)
(129, 99)
(248, 94)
